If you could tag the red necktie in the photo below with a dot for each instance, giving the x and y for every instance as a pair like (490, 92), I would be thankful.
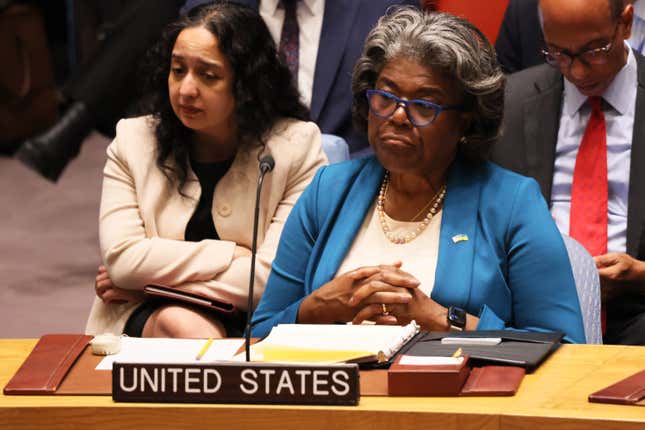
(588, 215)
(289, 48)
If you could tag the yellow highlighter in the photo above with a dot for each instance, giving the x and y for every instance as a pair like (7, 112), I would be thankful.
(204, 349)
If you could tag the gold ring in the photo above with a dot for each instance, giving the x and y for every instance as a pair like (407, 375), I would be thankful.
(384, 310)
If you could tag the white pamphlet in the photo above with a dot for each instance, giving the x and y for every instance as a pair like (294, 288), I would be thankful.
(168, 351)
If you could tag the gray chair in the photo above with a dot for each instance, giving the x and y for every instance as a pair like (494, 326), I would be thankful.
(587, 281)
(335, 148)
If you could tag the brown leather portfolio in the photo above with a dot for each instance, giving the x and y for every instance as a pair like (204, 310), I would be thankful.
(83, 379)
(628, 391)
(493, 381)
(44, 369)
(453, 380)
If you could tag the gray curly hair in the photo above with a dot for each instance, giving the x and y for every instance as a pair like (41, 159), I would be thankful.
(450, 44)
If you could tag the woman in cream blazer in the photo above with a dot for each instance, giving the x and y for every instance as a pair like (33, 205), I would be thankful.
(144, 214)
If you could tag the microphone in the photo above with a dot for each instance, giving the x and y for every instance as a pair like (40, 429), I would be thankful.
(267, 163)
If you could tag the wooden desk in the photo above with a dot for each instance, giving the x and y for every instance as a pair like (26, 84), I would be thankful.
(555, 397)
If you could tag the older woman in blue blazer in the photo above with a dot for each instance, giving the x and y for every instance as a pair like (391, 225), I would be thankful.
(425, 230)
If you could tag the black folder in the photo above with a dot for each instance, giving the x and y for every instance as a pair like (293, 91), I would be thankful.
(518, 348)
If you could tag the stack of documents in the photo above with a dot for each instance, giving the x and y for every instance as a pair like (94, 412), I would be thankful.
(332, 343)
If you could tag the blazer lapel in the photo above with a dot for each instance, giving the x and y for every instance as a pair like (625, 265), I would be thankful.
(541, 121)
(636, 205)
(337, 23)
(348, 220)
(457, 241)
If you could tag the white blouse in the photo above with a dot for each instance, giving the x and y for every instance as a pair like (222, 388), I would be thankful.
(371, 247)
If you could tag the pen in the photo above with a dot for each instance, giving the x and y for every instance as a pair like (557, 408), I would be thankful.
(204, 349)
(457, 353)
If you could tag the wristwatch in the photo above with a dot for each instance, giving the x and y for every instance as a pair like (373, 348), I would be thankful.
(456, 318)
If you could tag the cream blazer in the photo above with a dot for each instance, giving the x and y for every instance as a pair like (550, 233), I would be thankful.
(143, 217)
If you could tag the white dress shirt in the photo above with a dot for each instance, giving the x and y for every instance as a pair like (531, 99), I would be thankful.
(619, 119)
(310, 18)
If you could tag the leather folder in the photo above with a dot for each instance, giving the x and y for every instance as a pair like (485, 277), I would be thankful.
(493, 381)
(628, 391)
(192, 298)
(453, 380)
(44, 369)
(523, 349)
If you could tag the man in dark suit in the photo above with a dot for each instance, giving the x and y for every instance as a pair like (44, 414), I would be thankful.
(589, 106)
(345, 25)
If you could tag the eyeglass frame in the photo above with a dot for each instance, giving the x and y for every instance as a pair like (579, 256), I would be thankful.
(571, 56)
(406, 103)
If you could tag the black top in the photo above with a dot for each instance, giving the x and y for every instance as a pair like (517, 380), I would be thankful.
(201, 226)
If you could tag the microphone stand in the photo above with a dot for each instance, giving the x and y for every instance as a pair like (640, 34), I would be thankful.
(266, 165)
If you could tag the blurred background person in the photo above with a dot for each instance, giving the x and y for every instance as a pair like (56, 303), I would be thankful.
(101, 89)
(28, 94)
(520, 36)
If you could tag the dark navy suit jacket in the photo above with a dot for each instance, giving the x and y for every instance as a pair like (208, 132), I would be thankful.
(344, 29)
(520, 37)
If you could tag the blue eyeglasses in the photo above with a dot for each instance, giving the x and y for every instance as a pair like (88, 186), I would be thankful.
(421, 113)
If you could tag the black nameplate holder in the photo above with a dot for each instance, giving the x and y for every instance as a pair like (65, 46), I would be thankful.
(247, 382)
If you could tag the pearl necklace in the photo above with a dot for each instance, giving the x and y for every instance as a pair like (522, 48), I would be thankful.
(421, 226)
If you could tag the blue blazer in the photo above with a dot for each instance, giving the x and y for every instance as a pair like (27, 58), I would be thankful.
(512, 272)
(344, 29)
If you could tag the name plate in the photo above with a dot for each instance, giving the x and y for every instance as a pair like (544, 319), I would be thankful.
(335, 384)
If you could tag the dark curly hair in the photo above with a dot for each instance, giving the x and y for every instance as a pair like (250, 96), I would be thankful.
(263, 88)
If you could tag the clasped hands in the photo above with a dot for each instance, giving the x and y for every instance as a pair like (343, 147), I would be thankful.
(385, 294)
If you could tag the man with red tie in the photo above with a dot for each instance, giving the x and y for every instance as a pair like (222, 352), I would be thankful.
(577, 125)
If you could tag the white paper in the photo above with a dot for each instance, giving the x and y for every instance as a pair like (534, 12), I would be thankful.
(414, 360)
(160, 350)
(377, 339)
(471, 340)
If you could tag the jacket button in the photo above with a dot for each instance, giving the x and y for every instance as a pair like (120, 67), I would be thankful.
(225, 210)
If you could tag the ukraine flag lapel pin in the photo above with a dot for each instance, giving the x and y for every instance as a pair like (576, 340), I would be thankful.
(459, 238)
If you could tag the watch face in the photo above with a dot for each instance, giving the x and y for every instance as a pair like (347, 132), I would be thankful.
(456, 317)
